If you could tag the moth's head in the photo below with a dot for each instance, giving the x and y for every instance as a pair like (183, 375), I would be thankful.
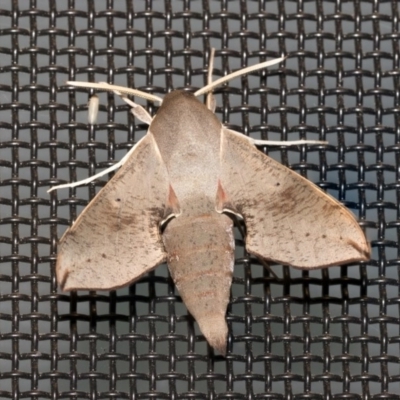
(179, 98)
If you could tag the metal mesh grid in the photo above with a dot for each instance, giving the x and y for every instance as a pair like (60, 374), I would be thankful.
(323, 334)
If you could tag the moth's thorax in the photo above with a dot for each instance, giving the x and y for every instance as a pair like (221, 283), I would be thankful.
(188, 136)
(183, 117)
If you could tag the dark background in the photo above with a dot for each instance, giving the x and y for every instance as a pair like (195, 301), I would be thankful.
(324, 334)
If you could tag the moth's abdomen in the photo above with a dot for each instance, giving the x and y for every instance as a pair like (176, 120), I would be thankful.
(200, 258)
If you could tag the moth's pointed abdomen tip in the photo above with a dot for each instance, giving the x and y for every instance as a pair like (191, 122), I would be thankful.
(218, 343)
(221, 349)
(215, 331)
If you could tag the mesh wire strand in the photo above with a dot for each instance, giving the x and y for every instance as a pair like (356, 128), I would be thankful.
(323, 334)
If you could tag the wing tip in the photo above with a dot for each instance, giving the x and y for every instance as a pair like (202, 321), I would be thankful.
(68, 278)
(352, 252)
(62, 279)
(364, 249)
(62, 273)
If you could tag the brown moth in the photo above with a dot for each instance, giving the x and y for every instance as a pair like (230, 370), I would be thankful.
(185, 176)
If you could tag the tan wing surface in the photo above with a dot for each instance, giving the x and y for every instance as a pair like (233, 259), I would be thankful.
(116, 239)
(288, 219)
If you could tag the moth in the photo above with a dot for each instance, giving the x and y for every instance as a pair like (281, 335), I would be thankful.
(171, 201)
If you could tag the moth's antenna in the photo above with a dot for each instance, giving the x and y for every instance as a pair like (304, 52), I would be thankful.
(114, 88)
(211, 67)
(210, 102)
(240, 72)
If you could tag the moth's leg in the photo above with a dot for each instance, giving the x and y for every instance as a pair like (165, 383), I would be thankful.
(94, 177)
(121, 91)
(104, 86)
(210, 102)
(136, 109)
(260, 142)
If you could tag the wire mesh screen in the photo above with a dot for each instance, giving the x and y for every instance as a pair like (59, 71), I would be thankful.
(322, 334)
